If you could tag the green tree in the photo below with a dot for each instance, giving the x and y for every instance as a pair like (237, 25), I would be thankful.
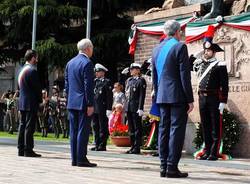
(61, 23)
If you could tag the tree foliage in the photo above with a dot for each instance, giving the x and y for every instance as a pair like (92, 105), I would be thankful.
(61, 23)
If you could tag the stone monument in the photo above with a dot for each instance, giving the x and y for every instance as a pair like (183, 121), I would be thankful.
(235, 42)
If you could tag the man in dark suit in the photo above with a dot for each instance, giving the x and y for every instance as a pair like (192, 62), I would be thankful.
(135, 91)
(103, 100)
(30, 97)
(174, 96)
(79, 89)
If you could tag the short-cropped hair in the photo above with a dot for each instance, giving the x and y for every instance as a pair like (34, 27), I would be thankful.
(30, 54)
(170, 27)
(84, 44)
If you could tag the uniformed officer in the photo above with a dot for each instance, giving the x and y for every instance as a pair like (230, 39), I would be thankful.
(135, 91)
(43, 114)
(53, 113)
(213, 94)
(102, 107)
(63, 114)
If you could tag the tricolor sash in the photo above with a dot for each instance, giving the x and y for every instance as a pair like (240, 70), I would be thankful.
(160, 61)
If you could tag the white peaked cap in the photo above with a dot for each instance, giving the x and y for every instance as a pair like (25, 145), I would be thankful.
(135, 65)
(99, 67)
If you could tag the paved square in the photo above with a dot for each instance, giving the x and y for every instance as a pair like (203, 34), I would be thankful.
(54, 167)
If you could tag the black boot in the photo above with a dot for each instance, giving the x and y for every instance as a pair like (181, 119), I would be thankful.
(216, 10)
(204, 157)
(212, 158)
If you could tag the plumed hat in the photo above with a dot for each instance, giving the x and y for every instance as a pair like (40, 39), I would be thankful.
(208, 40)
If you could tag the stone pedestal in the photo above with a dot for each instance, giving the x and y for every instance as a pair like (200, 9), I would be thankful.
(235, 42)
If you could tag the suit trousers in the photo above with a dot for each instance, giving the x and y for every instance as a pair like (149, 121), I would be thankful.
(79, 134)
(100, 127)
(135, 129)
(172, 128)
(26, 130)
(211, 125)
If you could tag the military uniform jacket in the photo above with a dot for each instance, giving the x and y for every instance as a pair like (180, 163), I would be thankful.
(103, 96)
(62, 107)
(213, 78)
(135, 92)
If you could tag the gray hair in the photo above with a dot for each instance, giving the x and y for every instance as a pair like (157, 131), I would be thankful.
(170, 27)
(84, 44)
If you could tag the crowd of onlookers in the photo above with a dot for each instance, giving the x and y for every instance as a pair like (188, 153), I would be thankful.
(52, 114)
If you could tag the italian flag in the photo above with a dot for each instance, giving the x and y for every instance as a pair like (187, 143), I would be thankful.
(196, 30)
(152, 29)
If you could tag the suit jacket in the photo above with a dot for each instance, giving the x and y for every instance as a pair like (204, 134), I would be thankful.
(79, 78)
(135, 94)
(171, 77)
(103, 98)
(30, 89)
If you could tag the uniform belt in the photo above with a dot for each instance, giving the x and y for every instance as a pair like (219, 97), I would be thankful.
(208, 92)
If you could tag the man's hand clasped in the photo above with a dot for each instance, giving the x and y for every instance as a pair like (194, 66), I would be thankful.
(190, 107)
(90, 111)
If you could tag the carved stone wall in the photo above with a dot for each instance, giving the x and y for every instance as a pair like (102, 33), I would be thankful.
(235, 42)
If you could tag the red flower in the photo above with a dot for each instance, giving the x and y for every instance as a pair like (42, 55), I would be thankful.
(119, 130)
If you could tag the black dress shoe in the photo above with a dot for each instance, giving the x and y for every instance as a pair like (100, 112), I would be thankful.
(163, 172)
(20, 153)
(204, 157)
(129, 151)
(31, 154)
(176, 174)
(73, 164)
(86, 163)
(101, 149)
(93, 149)
(135, 151)
(155, 154)
(212, 158)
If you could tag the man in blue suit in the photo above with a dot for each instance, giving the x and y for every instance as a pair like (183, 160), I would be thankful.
(79, 79)
(174, 96)
(30, 97)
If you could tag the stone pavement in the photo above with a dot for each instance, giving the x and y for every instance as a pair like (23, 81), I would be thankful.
(54, 167)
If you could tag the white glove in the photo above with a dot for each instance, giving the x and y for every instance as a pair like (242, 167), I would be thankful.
(140, 112)
(222, 107)
(108, 113)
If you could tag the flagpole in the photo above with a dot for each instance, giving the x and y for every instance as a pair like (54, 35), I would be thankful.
(88, 28)
(34, 25)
